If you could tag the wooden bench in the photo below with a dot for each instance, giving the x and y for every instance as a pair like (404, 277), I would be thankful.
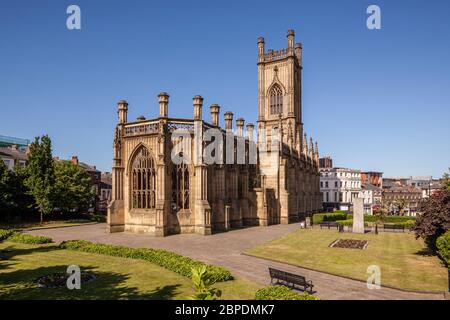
(329, 224)
(394, 227)
(290, 279)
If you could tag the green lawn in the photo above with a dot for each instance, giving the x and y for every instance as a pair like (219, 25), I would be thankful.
(404, 261)
(118, 278)
(47, 224)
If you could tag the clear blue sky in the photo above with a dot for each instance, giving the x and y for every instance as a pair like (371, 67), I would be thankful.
(375, 100)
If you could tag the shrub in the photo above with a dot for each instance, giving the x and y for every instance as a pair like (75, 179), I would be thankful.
(202, 282)
(443, 246)
(4, 234)
(319, 217)
(348, 222)
(29, 239)
(282, 293)
(166, 259)
(98, 218)
(388, 219)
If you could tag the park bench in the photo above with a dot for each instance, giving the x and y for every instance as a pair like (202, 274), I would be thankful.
(329, 224)
(394, 227)
(290, 279)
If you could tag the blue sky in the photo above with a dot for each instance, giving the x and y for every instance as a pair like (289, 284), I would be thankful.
(374, 99)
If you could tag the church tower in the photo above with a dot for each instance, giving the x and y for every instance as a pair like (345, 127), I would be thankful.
(279, 91)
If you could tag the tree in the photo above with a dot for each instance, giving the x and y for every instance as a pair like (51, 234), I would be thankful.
(6, 196)
(446, 180)
(435, 217)
(73, 187)
(41, 177)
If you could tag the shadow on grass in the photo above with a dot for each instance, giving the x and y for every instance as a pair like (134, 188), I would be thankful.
(426, 252)
(21, 285)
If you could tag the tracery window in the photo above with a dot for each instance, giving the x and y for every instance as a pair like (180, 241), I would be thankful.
(143, 184)
(180, 187)
(276, 100)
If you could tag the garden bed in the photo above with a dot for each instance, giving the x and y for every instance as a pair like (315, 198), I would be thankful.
(349, 244)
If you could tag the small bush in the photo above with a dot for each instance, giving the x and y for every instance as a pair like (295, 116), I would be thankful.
(282, 293)
(348, 222)
(166, 259)
(98, 218)
(336, 216)
(388, 219)
(29, 239)
(4, 234)
(443, 246)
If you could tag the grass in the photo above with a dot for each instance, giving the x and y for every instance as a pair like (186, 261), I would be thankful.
(44, 225)
(404, 261)
(118, 278)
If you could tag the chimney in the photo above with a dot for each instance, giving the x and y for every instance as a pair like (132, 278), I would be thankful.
(163, 98)
(198, 103)
(228, 116)
(250, 128)
(240, 126)
(74, 160)
(215, 108)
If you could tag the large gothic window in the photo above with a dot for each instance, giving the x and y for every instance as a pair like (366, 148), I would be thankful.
(276, 100)
(143, 184)
(180, 187)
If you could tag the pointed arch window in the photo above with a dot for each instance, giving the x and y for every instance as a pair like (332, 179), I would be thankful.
(143, 184)
(276, 100)
(180, 187)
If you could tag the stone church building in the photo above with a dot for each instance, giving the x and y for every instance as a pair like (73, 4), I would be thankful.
(260, 179)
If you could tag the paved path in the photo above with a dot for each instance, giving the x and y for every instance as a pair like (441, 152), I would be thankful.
(226, 249)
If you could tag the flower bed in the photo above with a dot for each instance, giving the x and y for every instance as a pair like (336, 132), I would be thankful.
(349, 244)
(59, 280)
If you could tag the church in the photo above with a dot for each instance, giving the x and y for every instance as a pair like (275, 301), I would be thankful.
(189, 175)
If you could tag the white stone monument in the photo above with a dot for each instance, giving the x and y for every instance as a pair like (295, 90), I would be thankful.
(358, 215)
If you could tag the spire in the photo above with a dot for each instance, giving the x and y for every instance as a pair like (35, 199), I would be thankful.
(311, 149)
(305, 145)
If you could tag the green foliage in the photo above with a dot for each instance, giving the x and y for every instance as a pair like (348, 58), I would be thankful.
(282, 293)
(98, 218)
(29, 239)
(388, 219)
(14, 200)
(435, 217)
(4, 234)
(73, 187)
(443, 246)
(335, 216)
(347, 222)
(41, 172)
(202, 282)
(166, 259)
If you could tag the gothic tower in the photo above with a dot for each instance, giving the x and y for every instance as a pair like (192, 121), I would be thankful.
(279, 91)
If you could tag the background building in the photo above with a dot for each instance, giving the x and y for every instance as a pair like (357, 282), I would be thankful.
(12, 156)
(105, 191)
(339, 186)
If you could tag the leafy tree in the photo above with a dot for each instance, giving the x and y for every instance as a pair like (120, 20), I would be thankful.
(446, 179)
(41, 177)
(435, 217)
(6, 196)
(73, 187)
(202, 282)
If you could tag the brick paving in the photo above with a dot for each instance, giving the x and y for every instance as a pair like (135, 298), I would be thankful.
(226, 249)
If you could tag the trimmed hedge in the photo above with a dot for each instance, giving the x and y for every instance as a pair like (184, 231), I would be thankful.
(388, 219)
(166, 259)
(282, 293)
(335, 216)
(98, 218)
(29, 239)
(4, 234)
(443, 246)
